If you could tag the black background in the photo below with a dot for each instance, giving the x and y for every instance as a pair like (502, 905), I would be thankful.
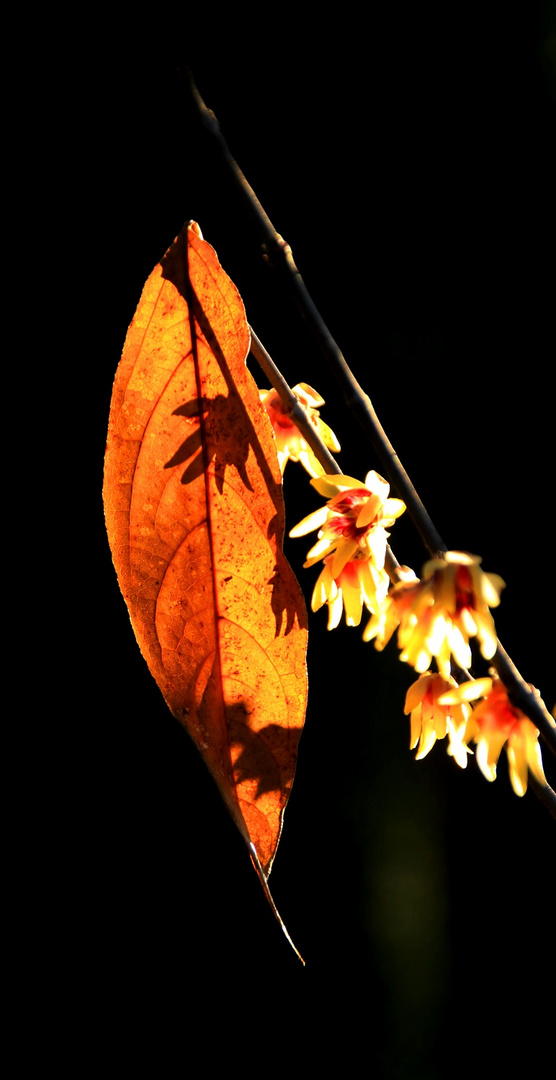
(410, 162)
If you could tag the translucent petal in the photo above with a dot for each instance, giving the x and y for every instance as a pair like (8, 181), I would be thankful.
(459, 647)
(488, 770)
(381, 626)
(487, 634)
(423, 660)
(310, 463)
(468, 691)
(311, 522)
(374, 584)
(373, 627)
(321, 548)
(352, 604)
(488, 751)
(283, 458)
(335, 608)
(416, 692)
(328, 437)
(312, 397)
(318, 599)
(421, 597)
(426, 742)
(415, 727)
(518, 768)
(377, 484)
(375, 542)
(443, 660)
(324, 590)
(345, 551)
(329, 486)
(456, 745)
(392, 509)
(492, 585)
(440, 721)
(467, 623)
(534, 760)
(445, 588)
(370, 509)
(462, 558)
(438, 629)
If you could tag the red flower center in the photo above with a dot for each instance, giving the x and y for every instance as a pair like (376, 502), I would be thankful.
(465, 597)
(279, 416)
(349, 500)
(346, 527)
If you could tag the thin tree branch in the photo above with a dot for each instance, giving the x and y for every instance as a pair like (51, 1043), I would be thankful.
(545, 794)
(293, 407)
(278, 252)
(524, 697)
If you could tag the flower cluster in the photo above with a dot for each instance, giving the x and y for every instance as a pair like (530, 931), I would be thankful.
(290, 444)
(352, 541)
(434, 715)
(435, 616)
(439, 614)
(495, 723)
(440, 707)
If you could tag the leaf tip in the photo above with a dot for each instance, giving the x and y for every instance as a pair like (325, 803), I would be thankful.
(264, 882)
(194, 226)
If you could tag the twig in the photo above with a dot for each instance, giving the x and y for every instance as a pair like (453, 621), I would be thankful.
(524, 697)
(278, 252)
(293, 407)
(544, 793)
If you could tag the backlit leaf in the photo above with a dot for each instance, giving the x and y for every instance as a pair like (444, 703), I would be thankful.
(195, 520)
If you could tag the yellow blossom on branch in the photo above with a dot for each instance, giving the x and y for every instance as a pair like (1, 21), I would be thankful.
(467, 592)
(439, 614)
(358, 584)
(353, 523)
(433, 718)
(384, 622)
(424, 631)
(496, 723)
(290, 444)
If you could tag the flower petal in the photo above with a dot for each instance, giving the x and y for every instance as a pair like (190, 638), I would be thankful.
(329, 486)
(467, 691)
(417, 692)
(328, 437)
(345, 551)
(335, 608)
(310, 523)
(312, 398)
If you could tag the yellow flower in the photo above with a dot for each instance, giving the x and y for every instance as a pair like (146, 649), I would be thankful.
(439, 614)
(496, 723)
(358, 583)
(467, 593)
(290, 443)
(426, 632)
(386, 620)
(353, 523)
(432, 718)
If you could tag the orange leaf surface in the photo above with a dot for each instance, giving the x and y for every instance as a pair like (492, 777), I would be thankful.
(195, 520)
